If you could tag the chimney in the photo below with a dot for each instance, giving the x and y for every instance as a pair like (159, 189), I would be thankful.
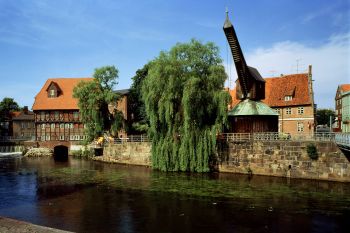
(25, 109)
(310, 71)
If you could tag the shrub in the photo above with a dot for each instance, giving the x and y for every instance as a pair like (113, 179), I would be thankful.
(312, 151)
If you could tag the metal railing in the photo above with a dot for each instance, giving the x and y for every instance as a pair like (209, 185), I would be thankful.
(132, 138)
(12, 138)
(342, 139)
(276, 136)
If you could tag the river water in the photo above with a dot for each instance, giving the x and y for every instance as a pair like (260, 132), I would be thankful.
(88, 196)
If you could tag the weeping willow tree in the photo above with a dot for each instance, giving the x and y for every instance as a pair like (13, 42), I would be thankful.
(186, 105)
(94, 98)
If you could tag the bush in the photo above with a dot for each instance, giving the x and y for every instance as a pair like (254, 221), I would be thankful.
(87, 152)
(312, 151)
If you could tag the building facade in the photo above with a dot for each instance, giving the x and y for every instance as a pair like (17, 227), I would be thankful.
(291, 96)
(342, 109)
(23, 125)
(56, 112)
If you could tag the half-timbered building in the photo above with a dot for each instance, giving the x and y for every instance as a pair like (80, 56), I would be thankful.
(56, 111)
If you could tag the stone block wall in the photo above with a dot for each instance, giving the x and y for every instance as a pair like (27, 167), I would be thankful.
(136, 153)
(284, 158)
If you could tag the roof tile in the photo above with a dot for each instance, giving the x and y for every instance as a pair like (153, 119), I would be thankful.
(277, 88)
(64, 101)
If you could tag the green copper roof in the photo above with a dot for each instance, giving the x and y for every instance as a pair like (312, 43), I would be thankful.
(249, 108)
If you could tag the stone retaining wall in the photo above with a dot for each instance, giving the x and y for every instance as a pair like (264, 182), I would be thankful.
(136, 153)
(284, 158)
(274, 158)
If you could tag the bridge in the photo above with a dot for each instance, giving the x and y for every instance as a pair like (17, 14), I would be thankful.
(343, 142)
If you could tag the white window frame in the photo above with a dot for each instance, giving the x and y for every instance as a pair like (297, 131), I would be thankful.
(300, 110)
(300, 126)
(288, 111)
(288, 98)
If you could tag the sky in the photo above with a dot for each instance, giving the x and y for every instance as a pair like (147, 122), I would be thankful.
(41, 39)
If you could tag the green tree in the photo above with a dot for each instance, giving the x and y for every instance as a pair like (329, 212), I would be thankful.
(138, 122)
(93, 100)
(186, 105)
(8, 105)
(323, 116)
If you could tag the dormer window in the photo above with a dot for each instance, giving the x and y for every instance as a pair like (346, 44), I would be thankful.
(288, 98)
(52, 93)
(53, 90)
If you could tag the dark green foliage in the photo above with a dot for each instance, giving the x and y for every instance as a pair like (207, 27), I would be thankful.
(323, 116)
(186, 105)
(312, 151)
(94, 98)
(138, 122)
(7, 105)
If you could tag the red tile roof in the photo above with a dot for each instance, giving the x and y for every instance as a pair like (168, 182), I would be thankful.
(345, 87)
(277, 88)
(64, 101)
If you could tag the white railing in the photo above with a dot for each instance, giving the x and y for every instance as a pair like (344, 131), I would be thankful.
(275, 136)
(12, 138)
(132, 138)
(342, 139)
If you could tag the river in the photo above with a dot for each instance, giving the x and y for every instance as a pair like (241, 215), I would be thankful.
(87, 196)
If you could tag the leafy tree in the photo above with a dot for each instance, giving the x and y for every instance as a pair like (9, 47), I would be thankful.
(138, 122)
(323, 116)
(8, 105)
(186, 105)
(93, 100)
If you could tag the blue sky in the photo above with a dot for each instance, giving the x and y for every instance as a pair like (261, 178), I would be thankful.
(41, 39)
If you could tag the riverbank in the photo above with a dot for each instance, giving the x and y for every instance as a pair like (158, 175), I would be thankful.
(8, 225)
(285, 158)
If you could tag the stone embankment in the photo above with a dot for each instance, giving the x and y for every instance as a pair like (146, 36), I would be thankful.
(39, 152)
(286, 159)
(283, 158)
(135, 153)
(8, 225)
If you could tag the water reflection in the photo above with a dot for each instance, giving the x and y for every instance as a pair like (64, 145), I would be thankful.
(86, 196)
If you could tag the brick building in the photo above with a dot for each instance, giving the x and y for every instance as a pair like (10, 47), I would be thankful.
(291, 96)
(56, 112)
(23, 125)
(342, 109)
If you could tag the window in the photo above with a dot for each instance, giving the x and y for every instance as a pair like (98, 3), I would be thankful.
(66, 126)
(52, 125)
(75, 115)
(300, 127)
(61, 125)
(288, 98)
(42, 138)
(301, 110)
(71, 137)
(278, 110)
(52, 93)
(47, 138)
(23, 125)
(56, 115)
(62, 137)
(42, 116)
(43, 126)
(288, 111)
(71, 126)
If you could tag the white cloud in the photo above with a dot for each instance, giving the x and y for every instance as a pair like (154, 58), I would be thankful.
(330, 62)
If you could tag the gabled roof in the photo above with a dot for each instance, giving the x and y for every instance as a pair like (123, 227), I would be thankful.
(296, 85)
(122, 91)
(64, 101)
(24, 116)
(344, 87)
